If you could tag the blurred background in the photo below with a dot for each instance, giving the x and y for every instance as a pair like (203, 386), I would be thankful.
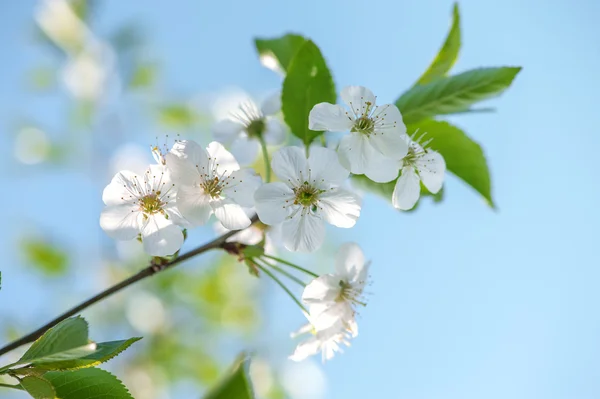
(466, 302)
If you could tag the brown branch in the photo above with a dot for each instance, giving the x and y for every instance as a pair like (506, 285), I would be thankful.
(152, 269)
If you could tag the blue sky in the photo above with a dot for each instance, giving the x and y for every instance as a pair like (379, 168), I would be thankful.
(466, 302)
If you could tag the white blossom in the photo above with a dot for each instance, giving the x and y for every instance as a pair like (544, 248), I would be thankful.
(254, 235)
(307, 195)
(377, 133)
(332, 298)
(419, 165)
(211, 181)
(144, 204)
(245, 126)
(327, 342)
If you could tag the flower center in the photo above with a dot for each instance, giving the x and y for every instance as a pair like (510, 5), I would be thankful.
(306, 195)
(151, 204)
(212, 187)
(364, 125)
(256, 128)
(348, 293)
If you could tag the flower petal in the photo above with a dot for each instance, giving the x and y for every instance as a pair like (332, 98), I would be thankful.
(325, 167)
(275, 132)
(289, 164)
(194, 205)
(120, 190)
(407, 189)
(120, 222)
(227, 130)
(358, 155)
(309, 347)
(185, 160)
(241, 186)
(350, 262)
(357, 98)
(245, 150)
(230, 214)
(161, 237)
(383, 171)
(271, 201)
(303, 232)
(329, 117)
(389, 136)
(323, 289)
(340, 207)
(225, 162)
(432, 167)
(272, 104)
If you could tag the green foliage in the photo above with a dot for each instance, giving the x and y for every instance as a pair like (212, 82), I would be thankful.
(447, 55)
(236, 385)
(277, 54)
(454, 93)
(87, 384)
(176, 116)
(463, 156)
(143, 76)
(42, 78)
(38, 387)
(307, 83)
(45, 256)
(67, 340)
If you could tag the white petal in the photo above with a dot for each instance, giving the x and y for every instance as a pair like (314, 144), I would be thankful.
(227, 130)
(329, 117)
(289, 164)
(275, 132)
(120, 221)
(271, 201)
(350, 262)
(161, 237)
(384, 171)
(357, 98)
(389, 136)
(249, 236)
(325, 288)
(230, 214)
(225, 162)
(242, 185)
(303, 233)
(185, 160)
(432, 167)
(325, 167)
(272, 104)
(309, 347)
(174, 214)
(120, 190)
(245, 150)
(326, 316)
(340, 207)
(407, 189)
(194, 204)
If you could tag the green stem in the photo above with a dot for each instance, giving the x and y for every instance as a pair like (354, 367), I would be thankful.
(285, 262)
(284, 272)
(286, 289)
(7, 367)
(19, 387)
(265, 153)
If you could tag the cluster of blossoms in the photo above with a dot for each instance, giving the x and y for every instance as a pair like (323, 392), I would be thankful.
(189, 183)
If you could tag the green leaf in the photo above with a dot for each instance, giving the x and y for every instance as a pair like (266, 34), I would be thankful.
(38, 387)
(176, 116)
(307, 83)
(454, 94)
(234, 386)
(447, 55)
(66, 340)
(42, 78)
(45, 256)
(87, 384)
(463, 156)
(277, 53)
(143, 77)
(105, 351)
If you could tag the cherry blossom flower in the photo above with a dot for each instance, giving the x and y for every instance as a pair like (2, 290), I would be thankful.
(248, 125)
(146, 205)
(377, 133)
(308, 194)
(211, 181)
(332, 298)
(254, 234)
(419, 165)
(328, 341)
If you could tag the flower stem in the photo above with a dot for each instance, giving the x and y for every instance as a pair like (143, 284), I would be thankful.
(19, 387)
(149, 271)
(285, 262)
(265, 153)
(284, 272)
(286, 289)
